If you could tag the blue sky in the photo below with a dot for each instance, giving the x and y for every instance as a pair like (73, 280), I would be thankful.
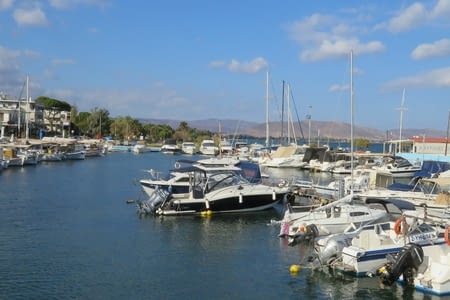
(200, 59)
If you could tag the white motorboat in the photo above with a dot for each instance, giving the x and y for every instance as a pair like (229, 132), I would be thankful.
(141, 147)
(329, 248)
(177, 182)
(224, 191)
(170, 147)
(208, 147)
(426, 267)
(335, 217)
(398, 166)
(430, 194)
(434, 274)
(188, 148)
(370, 249)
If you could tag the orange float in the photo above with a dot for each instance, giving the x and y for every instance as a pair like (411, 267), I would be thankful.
(447, 235)
(398, 225)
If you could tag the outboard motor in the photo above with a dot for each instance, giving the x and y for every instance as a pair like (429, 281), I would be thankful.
(156, 200)
(304, 233)
(332, 248)
(405, 262)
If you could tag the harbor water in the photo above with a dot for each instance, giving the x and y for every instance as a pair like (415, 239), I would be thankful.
(67, 232)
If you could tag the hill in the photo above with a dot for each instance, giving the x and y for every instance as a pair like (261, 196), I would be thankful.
(323, 129)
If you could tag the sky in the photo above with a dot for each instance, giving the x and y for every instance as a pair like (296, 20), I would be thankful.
(203, 59)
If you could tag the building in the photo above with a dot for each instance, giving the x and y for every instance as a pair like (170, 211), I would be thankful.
(22, 118)
(420, 148)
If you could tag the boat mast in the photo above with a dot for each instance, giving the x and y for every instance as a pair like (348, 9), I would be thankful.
(267, 109)
(401, 108)
(351, 119)
(26, 114)
(282, 115)
(288, 115)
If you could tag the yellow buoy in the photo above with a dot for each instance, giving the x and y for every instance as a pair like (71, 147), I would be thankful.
(206, 213)
(294, 269)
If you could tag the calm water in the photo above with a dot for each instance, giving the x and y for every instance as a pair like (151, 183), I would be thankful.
(66, 232)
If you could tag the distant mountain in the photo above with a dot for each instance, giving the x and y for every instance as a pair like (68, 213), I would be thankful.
(322, 129)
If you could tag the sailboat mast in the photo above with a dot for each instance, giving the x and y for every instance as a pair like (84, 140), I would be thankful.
(402, 108)
(267, 109)
(26, 114)
(282, 115)
(351, 119)
(288, 115)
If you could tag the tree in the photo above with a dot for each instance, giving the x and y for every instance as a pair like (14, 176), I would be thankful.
(53, 109)
(99, 122)
(183, 132)
(125, 128)
(362, 143)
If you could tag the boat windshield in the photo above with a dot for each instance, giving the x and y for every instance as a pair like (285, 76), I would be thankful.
(222, 180)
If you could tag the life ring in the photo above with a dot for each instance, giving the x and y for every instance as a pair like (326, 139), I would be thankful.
(398, 225)
(447, 235)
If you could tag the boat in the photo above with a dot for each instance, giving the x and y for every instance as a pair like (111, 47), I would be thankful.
(74, 151)
(51, 152)
(178, 180)
(94, 150)
(226, 147)
(398, 166)
(170, 147)
(188, 148)
(434, 276)
(211, 192)
(11, 158)
(361, 180)
(141, 147)
(19, 156)
(430, 194)
(284, 157)
(371, 248)
(335, 217)
(426, 267)
(208, 147)
(329, 248)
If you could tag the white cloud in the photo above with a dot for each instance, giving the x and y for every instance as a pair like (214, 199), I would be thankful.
(253, 66)
(314, 28)
(30, 16)
(340, 48)
(415, 15)
(5, 4)
(411, 17)
(216, 64)
(434, 78)
(442, 9)
(325, 37)
(438, 48)
(339, 88)
(10, 77)
(65, 4)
